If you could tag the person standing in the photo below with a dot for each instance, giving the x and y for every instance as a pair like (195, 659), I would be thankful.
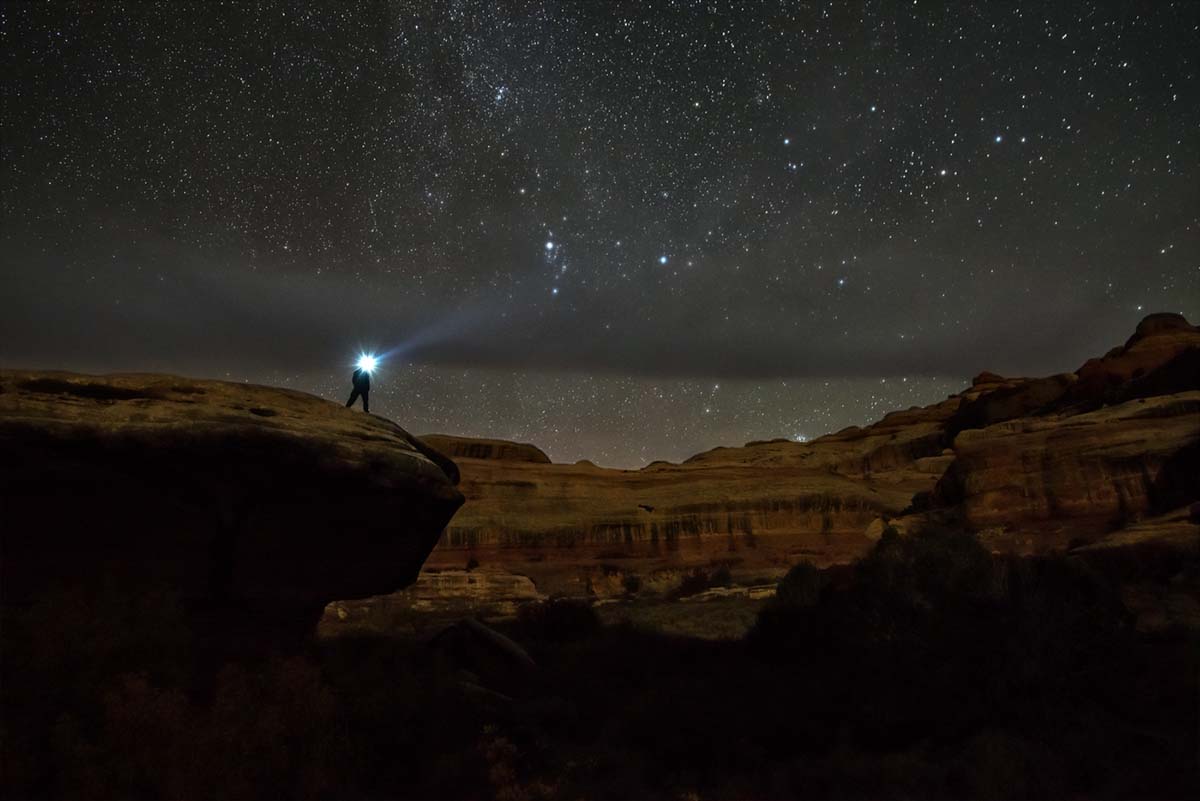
(362, 386)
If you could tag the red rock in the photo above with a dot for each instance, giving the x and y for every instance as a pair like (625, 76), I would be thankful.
(987, 377)
(254, 506)
(1072, 473)
(1159, 339)
(476, 448)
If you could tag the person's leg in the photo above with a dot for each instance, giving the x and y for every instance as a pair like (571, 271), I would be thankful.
(353, 398)
(366, 402)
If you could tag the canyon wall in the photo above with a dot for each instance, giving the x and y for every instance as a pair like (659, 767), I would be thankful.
(1032, 463)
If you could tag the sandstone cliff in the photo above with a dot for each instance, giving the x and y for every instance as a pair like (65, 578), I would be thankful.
(1035, 462)
(1079, 474)
(1041, 462)
(252, 506)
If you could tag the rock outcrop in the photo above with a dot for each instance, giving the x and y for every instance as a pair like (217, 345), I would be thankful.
(500, 450)
(1082, 473)
(1041, 462)
(253, 507)
(1160, 339)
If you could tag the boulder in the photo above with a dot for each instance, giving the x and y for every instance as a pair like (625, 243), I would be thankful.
(252, 506)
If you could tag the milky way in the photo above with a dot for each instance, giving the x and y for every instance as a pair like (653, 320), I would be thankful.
(570, 222)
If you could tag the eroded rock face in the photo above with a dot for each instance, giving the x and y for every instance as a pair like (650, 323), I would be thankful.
(253, 506)
(1159, 340)
(496, 449)
(1085, 472)
(583, 530)
(1009, 400)
(1041, 462)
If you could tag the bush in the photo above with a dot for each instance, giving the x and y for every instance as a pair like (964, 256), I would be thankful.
(800, 588)
(694, 582)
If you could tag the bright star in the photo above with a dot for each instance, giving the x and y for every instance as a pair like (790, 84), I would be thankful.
(999, 137)
(549, 246)
(662, 259)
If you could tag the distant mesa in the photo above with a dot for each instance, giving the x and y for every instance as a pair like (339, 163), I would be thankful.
(499, 450)
(659, 464)
(252, 506)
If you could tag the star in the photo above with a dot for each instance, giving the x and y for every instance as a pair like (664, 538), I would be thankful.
(291, 177)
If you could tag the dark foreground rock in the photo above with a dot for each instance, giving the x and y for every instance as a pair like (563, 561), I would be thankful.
(250, 507)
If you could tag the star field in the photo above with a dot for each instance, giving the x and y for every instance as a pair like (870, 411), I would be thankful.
(566, 223)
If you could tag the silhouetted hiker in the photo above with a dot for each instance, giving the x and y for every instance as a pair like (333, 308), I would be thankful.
(362, 386)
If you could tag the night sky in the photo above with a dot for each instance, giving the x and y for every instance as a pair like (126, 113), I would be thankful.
(623, 231)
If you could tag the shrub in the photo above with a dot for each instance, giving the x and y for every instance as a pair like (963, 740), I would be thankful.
(801, 587)
(694, 582)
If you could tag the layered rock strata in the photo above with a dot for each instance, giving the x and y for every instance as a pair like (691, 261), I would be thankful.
(1034, 463)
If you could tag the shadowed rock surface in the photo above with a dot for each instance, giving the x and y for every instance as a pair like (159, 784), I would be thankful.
(252, 507)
